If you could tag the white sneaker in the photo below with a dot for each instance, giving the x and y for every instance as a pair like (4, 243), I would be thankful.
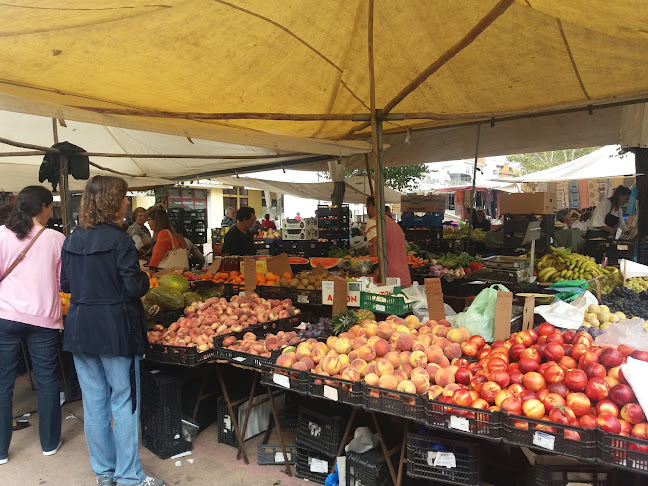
(51, 453)
(149, 481)
(4, 461)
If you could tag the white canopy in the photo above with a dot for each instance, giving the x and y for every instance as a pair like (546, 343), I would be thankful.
(603, 163)
(482, 185)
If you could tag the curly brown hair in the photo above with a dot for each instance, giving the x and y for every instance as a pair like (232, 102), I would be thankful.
(101, 200)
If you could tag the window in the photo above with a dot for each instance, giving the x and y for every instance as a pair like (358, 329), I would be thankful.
(187, 198)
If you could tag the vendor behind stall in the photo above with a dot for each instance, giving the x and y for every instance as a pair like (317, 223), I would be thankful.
(396, 247)
(566, 236)
(608, 215)
(239, 240)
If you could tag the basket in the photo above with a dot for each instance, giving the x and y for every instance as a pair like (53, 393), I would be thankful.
(161, 414)
(367, 469)
(286, 378)
(401, 404)
(309, 463)
(387, 304)
(269, 450)
(177, 355)
(423, 452)
(464, 420)
(561, 475)
(321, 432)
(584, 448)
(621, 452)
(336, 389)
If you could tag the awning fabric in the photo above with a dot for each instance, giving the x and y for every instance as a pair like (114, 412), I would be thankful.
(483, 185)
(357, 188)
(170, 67)
(603, 163)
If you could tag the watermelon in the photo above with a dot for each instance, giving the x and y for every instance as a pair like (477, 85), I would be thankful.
(325, 262)
(191, 297)
(174, 281)
(165, 298)
(373, 260)
(293, 260)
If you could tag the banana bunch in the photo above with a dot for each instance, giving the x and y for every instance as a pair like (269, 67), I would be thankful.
(561, 264)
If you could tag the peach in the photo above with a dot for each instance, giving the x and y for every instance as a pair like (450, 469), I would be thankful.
(372, 367)
(418, 358)
(431, 369)
(366, 352)
(353, 355)
(431, 323)
(372, 339)
(455, 336)
(434, 354)
(405, 342)
(400, 375)
(425, 338)
(449, 390)
(444, 376)
(402, 328)
(419, 346)
(407, 368)
(434, 391)
(332, 365)
(371, 379)
(385, 330)
(440, 342)
(330, 342)
(406, 386)
(444, 363)
(299, 365)
(343, 345)
(384, 367)
(419, 371)
(359, 341)
(371, 329)
(285, 360)
(388, 381)
(351, 374)
(393, 357)
(440, 331)
(452, 351)
(359, 364)
(381, 347)
(412, 322)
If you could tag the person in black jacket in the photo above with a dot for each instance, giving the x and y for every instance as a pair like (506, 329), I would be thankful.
(105, 330)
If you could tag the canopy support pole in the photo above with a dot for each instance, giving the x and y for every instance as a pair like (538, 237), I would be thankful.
(64, 190)
(472, 191)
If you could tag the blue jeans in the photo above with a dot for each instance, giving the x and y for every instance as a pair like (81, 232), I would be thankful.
(43, 344)
(105, 385)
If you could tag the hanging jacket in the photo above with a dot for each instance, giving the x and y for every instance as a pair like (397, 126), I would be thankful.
(78, 165)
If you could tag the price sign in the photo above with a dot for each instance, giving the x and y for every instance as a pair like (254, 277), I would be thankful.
(546, 441)
(302, 299)
(459, 423)
(279, 457)
(331, 393)
(380, 308)
(240, 359)
(281, 380)
(318, 466)
(445, 459)
(434, 295)
(503, 311)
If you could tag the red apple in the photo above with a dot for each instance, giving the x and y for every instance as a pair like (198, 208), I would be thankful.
(607, 406)
(463, 376)
(589, 356)
(533, 381)
(632, 413)
(512, 405)
(489, 391)
(545, 329)
(611, 358)
(597, 389)
(568, 336)
(554, 352)
(515, 351)
(576, 379)
(595, 370)
(484, 353)
(478, 340)
(579, 403)
(553, 400)
(554, 374)
(567, 363)
(555, 338)
(533, 408)
(578, 350)
(502, 378)
(563, 415)
(515, 376)
(527, 364)
(587, 421)
(560, 388)
(622, 394)
(531, 353)
(608, 423)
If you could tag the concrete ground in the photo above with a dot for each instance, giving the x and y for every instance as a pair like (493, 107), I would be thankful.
(213, 464)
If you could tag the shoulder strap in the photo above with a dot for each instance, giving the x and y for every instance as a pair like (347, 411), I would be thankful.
(22, 254)
(171, 237)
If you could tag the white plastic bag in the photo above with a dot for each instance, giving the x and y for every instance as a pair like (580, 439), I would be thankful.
(564, 315)
(630, 332)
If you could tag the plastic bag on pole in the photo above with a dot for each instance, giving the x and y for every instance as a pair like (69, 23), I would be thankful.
(479, 318)
(630, 332)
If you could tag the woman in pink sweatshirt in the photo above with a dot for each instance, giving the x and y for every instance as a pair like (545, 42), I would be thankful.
(30, 309)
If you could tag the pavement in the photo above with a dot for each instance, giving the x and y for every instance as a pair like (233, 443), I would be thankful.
(213, 464)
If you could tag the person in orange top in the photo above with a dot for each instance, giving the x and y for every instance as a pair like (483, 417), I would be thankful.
(158, 220)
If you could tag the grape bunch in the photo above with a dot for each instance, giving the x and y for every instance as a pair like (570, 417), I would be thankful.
(626, 300)
(638, 284)
(321, 329)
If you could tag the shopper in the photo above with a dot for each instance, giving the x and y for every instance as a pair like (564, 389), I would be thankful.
(30, 310)
(584, 222)
(105, 330)
(239, 240)
(608, 215)
(139, 229)
(170, 249)
(396, 248)
(267, 223)
(196, 257)
(4, 212)
(228, 220)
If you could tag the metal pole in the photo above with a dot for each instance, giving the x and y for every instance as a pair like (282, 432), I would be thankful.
(472, 191)
(63, 183)
(381, 238)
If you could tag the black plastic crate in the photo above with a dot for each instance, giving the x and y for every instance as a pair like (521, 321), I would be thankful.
(583, 446)
(305, 296)
(226, 433)
(336, 389)
(177, 355)
(165, 318)
(271, 292)
(423, 452)
(286, 378)
(324, 211)
(161, 414)
(392, 402)
(269, 451)
(307, 460)
(562, 475)
(623, 452)
(367, 469)
(464, 420)
(334, 234)
(319, 431)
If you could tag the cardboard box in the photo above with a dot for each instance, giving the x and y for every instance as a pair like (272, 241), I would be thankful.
(300, 234)
(353, 291)
(299, 223)
(423, 204)
(527, 203)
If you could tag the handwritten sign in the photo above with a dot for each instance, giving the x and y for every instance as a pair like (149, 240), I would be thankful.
(503, 311)
(434, 295)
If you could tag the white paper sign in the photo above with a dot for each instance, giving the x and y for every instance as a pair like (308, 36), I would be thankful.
(281, 380)
(318, 466)
(431, 456)
(546, 441)
(302, 299)
(227, 422)
(445, 459)
(279, 457)
(380, 308)
(240, 359)
(331, 393)
(459, 423)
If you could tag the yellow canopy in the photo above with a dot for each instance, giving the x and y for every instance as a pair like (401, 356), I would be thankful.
(180, 66)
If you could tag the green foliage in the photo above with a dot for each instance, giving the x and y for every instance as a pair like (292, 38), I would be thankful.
(397, 178)
(536, 161)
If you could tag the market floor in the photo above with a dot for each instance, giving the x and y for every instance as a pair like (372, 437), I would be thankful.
(213, 464)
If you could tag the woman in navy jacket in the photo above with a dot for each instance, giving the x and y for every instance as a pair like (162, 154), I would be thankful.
(105, 330)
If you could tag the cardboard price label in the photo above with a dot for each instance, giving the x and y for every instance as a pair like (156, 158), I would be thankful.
(434, 295)
(503, 311)
(249, 269)
(528, 315)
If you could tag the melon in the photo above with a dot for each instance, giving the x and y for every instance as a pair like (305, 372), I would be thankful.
(191, 297)
(293, 260)
(167, 299)
(174, 281)
(325, 262)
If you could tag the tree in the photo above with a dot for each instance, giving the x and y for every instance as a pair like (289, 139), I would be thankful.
(397, 178)
(536, 161)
